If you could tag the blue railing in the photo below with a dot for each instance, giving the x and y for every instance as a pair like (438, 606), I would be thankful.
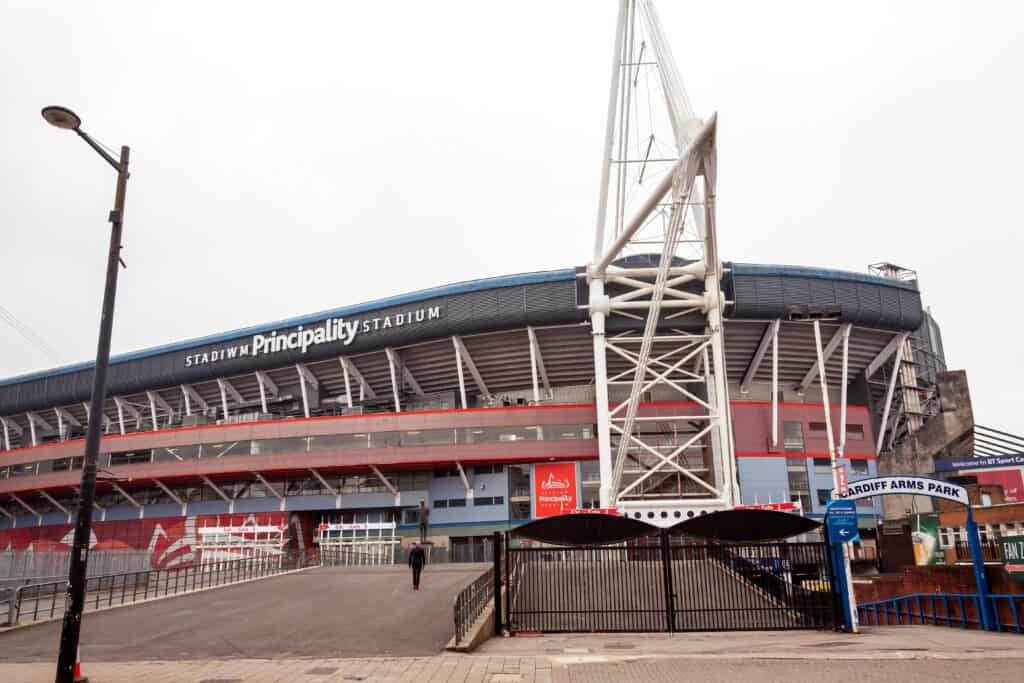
(944, 609)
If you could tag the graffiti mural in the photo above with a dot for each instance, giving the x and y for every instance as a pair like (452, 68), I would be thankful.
(171, 542)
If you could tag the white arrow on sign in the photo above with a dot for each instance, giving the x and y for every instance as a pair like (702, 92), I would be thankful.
(844, 532)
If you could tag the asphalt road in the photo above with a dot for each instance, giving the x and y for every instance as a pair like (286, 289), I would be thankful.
(323, 613)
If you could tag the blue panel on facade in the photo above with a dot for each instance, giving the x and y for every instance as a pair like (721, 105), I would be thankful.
(763, 480)
(246, 505)
(54, 518)
(208, 507)
(161, 510)
(121, 512)
(298, 503)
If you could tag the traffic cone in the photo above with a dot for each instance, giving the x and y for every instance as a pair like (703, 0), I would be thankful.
(79, 678)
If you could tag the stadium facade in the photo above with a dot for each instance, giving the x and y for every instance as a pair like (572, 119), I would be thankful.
(476, 399)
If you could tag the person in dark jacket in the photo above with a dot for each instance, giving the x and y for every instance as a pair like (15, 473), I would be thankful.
(417, 558)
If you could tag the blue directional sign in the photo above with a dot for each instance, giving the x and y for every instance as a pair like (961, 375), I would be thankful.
(841, 520)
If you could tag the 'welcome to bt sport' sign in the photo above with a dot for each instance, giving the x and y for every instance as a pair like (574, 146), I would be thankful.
(907, 486)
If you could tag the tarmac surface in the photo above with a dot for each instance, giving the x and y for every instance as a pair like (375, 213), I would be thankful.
(319, 613)
(367, 624)
(895, 653)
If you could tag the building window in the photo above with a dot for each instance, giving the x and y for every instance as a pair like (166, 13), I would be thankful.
(817, 430)
(411, 516)
(986, 500)
(487, 469)
(519, 509)
(822, 466)
(799, 486)
(859, 467)
(518, 482)
(130, 458)
(793, 437)
(824, 496)
(945, 537)
(440, 504)
(456, 502)
(854, 432)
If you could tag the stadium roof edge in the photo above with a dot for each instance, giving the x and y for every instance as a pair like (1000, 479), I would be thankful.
(444, 290)
(412, 297)
(817, 273)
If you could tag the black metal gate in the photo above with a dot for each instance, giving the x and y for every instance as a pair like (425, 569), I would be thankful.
(670, 587)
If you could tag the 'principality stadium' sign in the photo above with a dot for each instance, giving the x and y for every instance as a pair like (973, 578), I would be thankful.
(333, 330)
(554, 490)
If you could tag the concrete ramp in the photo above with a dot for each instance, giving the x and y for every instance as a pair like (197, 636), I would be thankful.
(323, 613)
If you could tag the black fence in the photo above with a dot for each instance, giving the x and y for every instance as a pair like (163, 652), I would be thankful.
(43, 601)
(666, 586)
(471, 602)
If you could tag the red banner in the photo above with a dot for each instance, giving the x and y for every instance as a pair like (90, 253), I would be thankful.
(554, 488)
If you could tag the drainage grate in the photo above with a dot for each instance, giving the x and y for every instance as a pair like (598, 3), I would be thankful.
(221, 680)
(620, 646)
(322, 670)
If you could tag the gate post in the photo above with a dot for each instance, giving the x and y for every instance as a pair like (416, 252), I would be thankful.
(498, 622)
(984, 604)
(507, 539)
(666, 569)
(837, 581)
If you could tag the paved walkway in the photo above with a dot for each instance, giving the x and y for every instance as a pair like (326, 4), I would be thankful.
(328, 612)
(909, 653)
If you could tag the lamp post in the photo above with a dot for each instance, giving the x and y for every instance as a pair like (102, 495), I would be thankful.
(75, 599)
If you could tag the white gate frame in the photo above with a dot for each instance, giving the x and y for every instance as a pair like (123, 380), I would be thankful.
(355, 544)
(247, 541)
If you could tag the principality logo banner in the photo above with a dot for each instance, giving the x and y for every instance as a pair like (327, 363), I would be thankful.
(554, 488)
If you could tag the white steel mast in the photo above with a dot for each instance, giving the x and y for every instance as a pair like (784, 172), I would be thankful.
(655, 298)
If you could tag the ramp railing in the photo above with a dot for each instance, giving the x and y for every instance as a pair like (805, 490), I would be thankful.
(955, 610)
(44, 601)
(471, 602)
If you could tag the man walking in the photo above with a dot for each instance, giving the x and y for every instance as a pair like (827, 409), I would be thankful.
(417, 558)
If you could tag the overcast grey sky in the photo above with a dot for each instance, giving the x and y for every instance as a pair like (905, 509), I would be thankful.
(292, 157)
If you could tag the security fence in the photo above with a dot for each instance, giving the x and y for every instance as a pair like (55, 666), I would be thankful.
(20, 566)
(671, 587)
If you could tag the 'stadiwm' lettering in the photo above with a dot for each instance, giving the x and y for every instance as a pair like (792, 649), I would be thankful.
(301, 339)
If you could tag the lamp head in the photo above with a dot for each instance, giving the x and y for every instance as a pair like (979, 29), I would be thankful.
(61, 117)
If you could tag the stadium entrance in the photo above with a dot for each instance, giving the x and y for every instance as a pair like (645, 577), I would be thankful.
(727, 571)
(357, 543)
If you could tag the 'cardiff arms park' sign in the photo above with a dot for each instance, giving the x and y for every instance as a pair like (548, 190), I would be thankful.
(907, 486)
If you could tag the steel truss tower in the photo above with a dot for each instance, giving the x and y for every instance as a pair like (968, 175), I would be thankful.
(655, 298)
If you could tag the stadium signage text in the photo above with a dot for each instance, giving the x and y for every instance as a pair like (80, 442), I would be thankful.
(906, 485)
(554, 488)
(951, 464)
(332, 330)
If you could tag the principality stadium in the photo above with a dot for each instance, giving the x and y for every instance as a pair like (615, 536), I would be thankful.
(655, 379)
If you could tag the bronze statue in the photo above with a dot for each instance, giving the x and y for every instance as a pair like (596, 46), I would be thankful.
(424, 520)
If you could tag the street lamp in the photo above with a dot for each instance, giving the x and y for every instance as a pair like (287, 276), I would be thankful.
(66, 119)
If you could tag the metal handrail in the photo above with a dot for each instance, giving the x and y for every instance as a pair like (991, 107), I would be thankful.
(471, 601)
(902, 610)
(42, 601)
